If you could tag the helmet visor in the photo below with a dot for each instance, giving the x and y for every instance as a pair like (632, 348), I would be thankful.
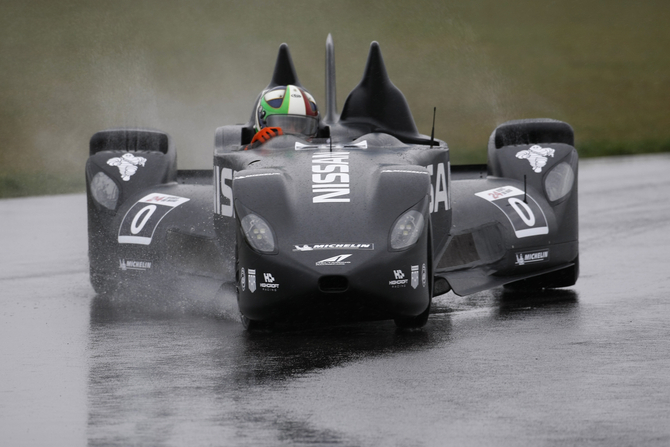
(294, 124)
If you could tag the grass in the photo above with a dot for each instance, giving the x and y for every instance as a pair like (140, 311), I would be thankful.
(74, 67)
(610, 148)
(22, 184)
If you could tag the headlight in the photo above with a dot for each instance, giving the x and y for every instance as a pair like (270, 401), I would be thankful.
(406, 230)
(258, 233)
(559, 181)
(104, 190)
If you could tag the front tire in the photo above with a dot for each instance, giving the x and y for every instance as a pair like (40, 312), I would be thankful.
(255, 325)
(420, 320)
(413, 322)
(102, 284)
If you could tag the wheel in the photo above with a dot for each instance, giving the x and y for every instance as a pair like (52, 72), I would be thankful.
(420, 320)
(413, 322)
(255, 325)
(102, 284)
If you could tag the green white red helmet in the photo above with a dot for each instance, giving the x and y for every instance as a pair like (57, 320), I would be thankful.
(290, 107)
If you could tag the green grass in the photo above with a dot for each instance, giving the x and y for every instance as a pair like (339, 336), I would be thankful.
(74, 67)
(586, 149)
(22, 184)
(610, 148)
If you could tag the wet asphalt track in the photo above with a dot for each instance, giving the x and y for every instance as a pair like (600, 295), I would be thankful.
(585, 366)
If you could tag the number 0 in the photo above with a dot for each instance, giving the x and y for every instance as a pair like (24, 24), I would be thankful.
(523, 210)
(147, 211)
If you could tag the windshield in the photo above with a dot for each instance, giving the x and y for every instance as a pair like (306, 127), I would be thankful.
(294, 124)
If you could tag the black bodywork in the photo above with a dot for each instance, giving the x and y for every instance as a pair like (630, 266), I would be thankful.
(331, 206)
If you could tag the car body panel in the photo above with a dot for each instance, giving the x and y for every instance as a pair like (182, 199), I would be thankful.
(327, 208)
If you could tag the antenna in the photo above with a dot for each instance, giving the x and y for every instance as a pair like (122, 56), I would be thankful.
(432, 132)
(524, 189)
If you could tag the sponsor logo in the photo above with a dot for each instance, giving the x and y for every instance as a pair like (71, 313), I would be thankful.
(530, 257)
(330, 177)
(424, 276)
(522, 211)
(399, 280)
(142, 219)
(440, 191)
(304, 247)
(127, 164)
(243, 280)
(252, 280)
(312, 247)
(335, 260)
(269, 284)
(537, 156)
(223, 187)
(127, 264)
(414, 276)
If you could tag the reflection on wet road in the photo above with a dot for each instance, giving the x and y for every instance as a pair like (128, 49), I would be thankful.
(586, 365)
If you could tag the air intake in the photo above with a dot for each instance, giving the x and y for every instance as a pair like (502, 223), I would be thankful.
(333, 284)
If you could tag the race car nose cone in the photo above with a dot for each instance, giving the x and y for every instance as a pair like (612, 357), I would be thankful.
(333, 284)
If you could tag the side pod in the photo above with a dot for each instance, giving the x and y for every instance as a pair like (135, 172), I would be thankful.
(122, 163)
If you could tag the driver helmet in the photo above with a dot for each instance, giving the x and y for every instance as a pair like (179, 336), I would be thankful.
(289, 107)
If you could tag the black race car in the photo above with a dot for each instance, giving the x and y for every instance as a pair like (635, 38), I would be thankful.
(367, 219)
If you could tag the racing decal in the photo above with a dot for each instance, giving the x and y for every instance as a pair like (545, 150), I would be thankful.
(252, 280)
(312, 247)
(269, 285)
(526, 217)
(424, 275)
(399, 279)
(330, 177)
(243, 280)
(127, 264)
(127, 164)
(141, 220)
(303, 147)
(223, 194)
(537, 156)
(531, 257)
(335, 260)
(440, 191)
(414, 276)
